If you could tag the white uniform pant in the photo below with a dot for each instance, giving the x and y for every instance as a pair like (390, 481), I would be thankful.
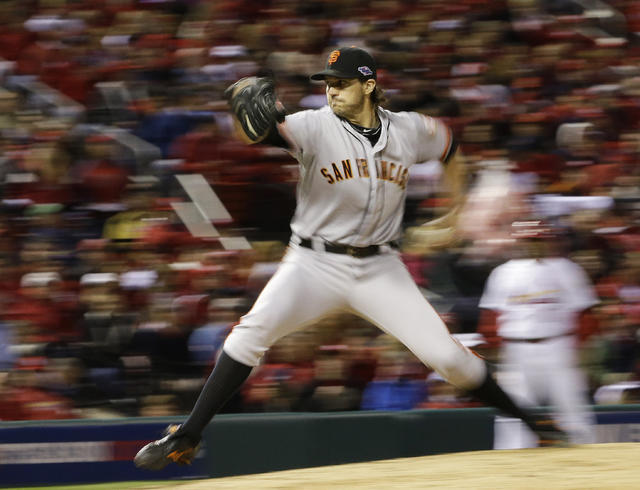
(547, 372)
(309, 285)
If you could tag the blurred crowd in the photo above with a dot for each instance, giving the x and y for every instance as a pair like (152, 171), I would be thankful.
(114, 302)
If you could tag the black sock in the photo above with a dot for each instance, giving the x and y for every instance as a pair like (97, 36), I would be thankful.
(489, 392)
(227, 376)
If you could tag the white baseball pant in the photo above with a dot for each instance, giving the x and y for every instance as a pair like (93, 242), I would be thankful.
(548, 372)
(310, 284)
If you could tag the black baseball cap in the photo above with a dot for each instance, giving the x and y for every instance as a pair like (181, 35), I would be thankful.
(348, 62)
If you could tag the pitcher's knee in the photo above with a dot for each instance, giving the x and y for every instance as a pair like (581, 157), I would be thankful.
(462, 369)
(246, 344)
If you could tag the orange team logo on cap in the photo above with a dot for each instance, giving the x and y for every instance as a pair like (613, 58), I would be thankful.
(333, 57)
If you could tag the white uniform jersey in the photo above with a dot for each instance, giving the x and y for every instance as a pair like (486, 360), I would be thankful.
(537, 298)
(350, 192)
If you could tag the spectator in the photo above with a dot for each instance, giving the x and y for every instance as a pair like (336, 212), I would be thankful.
(24, 399)
(328, 392)
(206, 340)
(393, 387)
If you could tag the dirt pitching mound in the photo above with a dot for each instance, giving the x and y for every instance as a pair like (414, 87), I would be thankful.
(594, 466)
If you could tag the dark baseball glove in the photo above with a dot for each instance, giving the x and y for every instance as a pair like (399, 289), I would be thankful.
(255, 107)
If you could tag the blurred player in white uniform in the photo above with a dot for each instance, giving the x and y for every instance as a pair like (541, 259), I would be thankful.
(538, 299)
(354, 159)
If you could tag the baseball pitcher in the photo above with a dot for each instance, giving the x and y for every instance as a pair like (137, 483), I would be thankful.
(354, 159)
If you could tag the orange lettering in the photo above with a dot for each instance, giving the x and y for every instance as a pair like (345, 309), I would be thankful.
(384, 175)
(391, 167)
(326, 175)
(363, 168)
(336, 172)
(346, 168)
(404, 178)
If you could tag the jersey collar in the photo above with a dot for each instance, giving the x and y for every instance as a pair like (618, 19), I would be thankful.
(384, 132)
(384, 122)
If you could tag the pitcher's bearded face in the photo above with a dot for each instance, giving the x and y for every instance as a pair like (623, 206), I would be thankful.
(345, 96)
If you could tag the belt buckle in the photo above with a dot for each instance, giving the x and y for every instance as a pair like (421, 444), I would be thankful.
(353, 251)
(359, 252)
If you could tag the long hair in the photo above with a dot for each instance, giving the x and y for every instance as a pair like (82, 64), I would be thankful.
(378, 96)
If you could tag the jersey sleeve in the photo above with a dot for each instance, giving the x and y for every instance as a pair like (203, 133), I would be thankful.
(580, 292)
(434, 139)
(298, 130)
(493, 297)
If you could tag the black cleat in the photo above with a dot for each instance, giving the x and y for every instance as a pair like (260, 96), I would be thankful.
(549, 435)
(172, 448)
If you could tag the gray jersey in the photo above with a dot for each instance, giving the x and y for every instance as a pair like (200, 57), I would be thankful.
(350, 192)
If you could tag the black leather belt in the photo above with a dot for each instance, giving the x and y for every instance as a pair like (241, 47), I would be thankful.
(358, 252)
(537, 340)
